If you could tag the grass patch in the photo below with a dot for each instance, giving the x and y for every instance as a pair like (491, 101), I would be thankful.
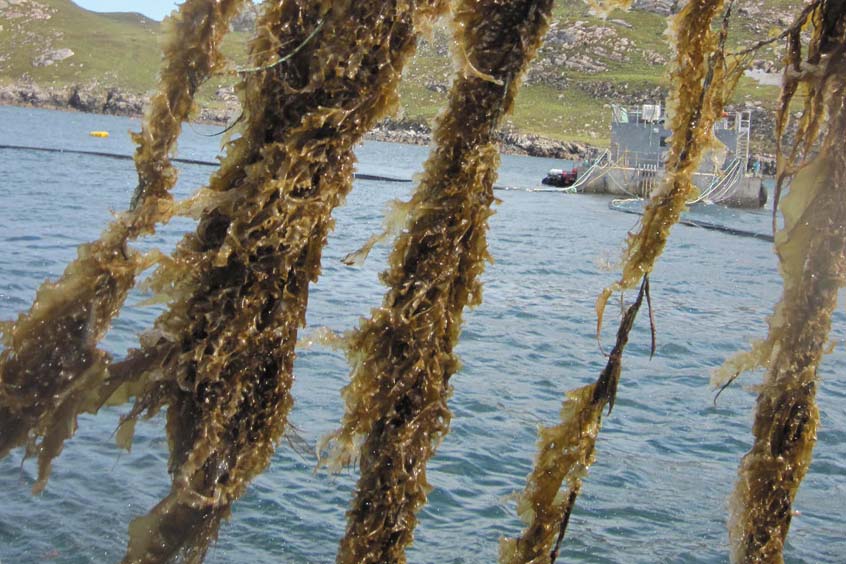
(122, 50)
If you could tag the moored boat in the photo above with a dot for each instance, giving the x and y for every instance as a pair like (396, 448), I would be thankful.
(560, 178)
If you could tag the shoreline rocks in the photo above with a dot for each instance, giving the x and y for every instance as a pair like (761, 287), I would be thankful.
(115, 101)
(97, 99)
(411, 132)
(89, 99)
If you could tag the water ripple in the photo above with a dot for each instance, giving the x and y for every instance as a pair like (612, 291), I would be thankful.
(667, 456)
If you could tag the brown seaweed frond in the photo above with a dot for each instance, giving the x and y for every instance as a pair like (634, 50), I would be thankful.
(189, 56)
(403, 356)
(799, 72)
(812, 255)
(565, 453)
(702, 82)
(220, 359)
(797, 26)
(396, 217)
(51, 367)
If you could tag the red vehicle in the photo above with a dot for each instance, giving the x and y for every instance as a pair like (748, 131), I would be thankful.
(561, 178)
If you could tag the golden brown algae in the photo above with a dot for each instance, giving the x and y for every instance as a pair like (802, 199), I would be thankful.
(565, 453)
(702, 83)
(220, 359)
(323, 74)
(51, 368)
(403, 357)
(812, 254)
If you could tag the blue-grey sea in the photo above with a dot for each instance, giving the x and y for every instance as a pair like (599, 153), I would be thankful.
(666, 458)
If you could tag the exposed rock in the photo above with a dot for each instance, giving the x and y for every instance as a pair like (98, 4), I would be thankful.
(51, 57)
(663, 7)
(512, 142)
(226, 94)
(89, 98)
(765, 78)
(621, 92)
(410, 132)
(654, 58)
(82, 99)
(28, 10)
(536, 146)
(122, 103)
(436, 87)
(246, 20)
(578, 47)
(217, 116)
(750, 10)
(764, 65)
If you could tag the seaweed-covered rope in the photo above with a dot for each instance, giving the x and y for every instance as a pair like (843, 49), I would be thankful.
(403, 357)
(220, 359)
(812, 255)
(51, 367)
(702, 83)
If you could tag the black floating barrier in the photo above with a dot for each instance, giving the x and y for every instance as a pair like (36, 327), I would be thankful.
(119, 156)
(704, 225)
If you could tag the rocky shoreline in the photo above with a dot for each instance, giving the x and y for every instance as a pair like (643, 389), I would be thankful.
(115, 101)
(512, 143)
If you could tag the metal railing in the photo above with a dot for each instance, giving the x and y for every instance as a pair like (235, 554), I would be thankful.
(635, 159)
(643, 113)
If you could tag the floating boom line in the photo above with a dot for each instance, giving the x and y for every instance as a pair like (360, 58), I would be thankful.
(198, 162)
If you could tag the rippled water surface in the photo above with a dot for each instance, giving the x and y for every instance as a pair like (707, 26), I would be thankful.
(666, 456)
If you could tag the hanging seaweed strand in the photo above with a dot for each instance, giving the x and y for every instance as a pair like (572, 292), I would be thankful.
(812, 255)
(404, 355)
(566, 451)
(51, 366)
(189, 58)
(702, 82)
(223, 352)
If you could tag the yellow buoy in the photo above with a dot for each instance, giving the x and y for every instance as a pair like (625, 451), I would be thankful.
(99, 133)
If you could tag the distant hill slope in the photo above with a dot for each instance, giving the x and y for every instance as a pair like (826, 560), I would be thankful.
(118, 49)
(585, 64)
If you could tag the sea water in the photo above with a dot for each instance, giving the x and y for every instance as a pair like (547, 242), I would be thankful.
(666, 456)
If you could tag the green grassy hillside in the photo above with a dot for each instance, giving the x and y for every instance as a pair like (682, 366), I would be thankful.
(118, 49)
(586, 63)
